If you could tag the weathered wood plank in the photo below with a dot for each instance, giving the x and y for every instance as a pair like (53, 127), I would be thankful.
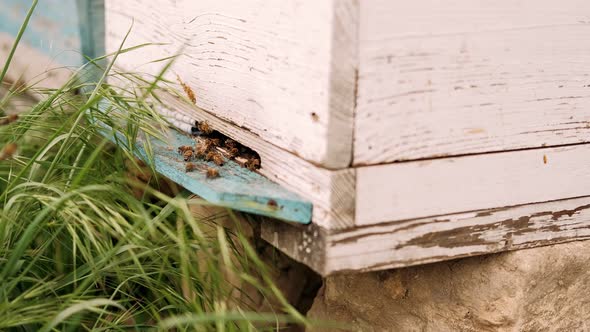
(331, 191)
(463, 77)
(426, 240)
(450, 185)
(284, 70)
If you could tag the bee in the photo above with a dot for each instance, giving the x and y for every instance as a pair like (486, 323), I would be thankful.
(544, 159)
(205, 127)
(182, 149)
(233, 152)
(8, 151)
(215, 157)
(201, 150)
(188, 155)
(272, 204)
(187, 89)
(218, 159)
(212, 173)
(215, 141)
(252, 164)
(209, 156)
(9, 119)
(189, 167)
(230, 143)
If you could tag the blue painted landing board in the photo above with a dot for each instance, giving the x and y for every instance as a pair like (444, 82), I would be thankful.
(236, 187)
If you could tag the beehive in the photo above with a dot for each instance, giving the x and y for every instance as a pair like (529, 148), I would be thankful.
(420, 131)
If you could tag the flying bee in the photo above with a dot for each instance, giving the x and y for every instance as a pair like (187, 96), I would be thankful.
(188, 155)
(182, 149)
(212, 173)
(8, 151)
(205, 127)
(189, 167)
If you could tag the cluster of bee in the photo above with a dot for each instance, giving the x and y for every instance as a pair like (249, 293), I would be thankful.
(215, 147)
(204, 151)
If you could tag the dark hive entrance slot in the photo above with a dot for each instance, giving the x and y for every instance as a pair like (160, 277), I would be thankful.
(217, 147)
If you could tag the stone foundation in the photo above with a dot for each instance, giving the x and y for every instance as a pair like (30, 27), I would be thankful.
(541, 289)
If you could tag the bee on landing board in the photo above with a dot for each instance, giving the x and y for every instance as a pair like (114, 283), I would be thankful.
(182, 149)
(212, 173)
(218, 159)
(209, 156)
(189, 167)
(215, 157)
(201, 150)
(188, 155)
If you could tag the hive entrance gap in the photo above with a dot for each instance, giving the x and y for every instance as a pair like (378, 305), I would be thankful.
(211, 144)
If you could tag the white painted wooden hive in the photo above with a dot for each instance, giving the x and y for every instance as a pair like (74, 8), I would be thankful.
(420, 130)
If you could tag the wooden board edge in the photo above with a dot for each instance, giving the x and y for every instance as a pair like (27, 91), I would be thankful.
(420, 241)
(91, 16)
(433, 187)
(305, 244)
(343, 84)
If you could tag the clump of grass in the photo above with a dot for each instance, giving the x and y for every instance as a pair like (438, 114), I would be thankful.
(80, 250)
